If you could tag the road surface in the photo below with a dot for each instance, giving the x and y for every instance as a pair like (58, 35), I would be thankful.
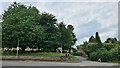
(83, 62)
(40, 63)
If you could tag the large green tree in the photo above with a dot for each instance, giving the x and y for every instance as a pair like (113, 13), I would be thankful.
(66, 38)
(74, 39)
(21, 23)
(71, 29)
(51, 34)
(31, 28)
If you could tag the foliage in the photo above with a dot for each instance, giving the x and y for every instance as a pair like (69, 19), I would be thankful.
(101, 53)
(98, 40)
(51, 33)
(71, 29)
(111, 40)
(92, 39)
(108, 46)
(20, 23)
(114, 54)
(77, 53)
(105, 55)
(28, 27)
(66, 39)
(107, 51)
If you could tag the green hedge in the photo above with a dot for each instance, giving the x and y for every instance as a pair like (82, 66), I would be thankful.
(76, 53)
(101, 53)
(106, 56)
(114, 54)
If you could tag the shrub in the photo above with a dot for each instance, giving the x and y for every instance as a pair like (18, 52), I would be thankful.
(109, 46)
(77, 53)
(114, 54)
(93, 56)
(92, 47)
(101, 53)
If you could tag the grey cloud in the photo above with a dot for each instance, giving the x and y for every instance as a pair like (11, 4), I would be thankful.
(87, 18)
(88, 29)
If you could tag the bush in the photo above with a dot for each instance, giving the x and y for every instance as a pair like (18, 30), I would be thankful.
(76, 53)
(114, 54)
(92, 47)
(94, 56)
(109, 46)
(101, 53)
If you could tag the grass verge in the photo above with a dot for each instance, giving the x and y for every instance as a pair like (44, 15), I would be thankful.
(32, 54)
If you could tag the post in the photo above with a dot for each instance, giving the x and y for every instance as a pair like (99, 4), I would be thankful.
(61, 49)
(17, 48)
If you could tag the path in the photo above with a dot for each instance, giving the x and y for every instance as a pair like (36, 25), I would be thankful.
(94, 63)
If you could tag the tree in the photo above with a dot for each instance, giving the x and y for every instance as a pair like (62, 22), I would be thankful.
(98, 40)
(100, 53)
(0, 35)
(108, 46)
(34, 29)
(66, 38)
(51, 34)
(92, 39)
(111, 40)
(91, 47)
(71, 29)
(21, 23)
(114, 54)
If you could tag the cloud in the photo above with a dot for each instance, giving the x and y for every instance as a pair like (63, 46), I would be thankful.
(87, 18)
(60, 0)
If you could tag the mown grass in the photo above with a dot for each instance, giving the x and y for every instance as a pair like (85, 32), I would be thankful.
(39, 54)
(32, 54)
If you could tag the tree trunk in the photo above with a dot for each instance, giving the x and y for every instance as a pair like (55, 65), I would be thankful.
(69, 50)
(38, 49)
(3, 50)
(23, 49)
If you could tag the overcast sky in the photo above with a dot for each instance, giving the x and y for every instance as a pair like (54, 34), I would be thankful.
(86, 17)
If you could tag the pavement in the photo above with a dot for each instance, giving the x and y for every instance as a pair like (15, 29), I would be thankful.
(83, 62)
(80, 58)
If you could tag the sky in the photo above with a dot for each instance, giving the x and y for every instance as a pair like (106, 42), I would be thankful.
(86, 17)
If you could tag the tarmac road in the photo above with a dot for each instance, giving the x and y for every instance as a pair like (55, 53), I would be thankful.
(40, 63)
(83, 62)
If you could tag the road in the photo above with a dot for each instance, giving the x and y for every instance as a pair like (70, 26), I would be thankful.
(83, 62)
(40, 63)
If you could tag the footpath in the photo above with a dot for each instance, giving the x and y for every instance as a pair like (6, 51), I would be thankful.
(86, 62)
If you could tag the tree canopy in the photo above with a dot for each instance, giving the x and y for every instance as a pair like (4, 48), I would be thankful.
(34, 29)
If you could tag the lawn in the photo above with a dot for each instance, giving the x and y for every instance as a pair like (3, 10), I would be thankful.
(32, 54)
(39, 54)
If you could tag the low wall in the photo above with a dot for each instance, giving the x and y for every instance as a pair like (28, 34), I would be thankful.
(55, 58)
